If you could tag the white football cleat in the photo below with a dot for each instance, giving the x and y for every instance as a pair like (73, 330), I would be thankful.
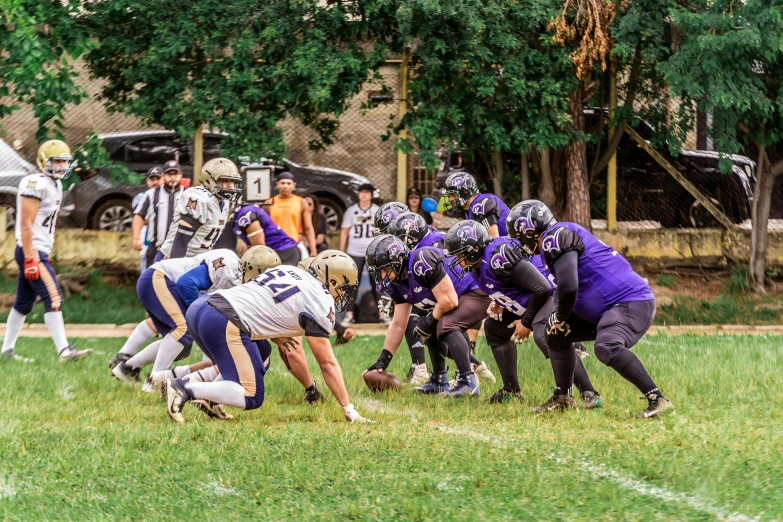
(149, 386)
(482, 371)
(418, 374)
(212, 409)
(69, 354)
(12, 355)
(176, 396)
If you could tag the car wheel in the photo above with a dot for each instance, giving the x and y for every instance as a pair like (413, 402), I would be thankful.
(8, 203)
(333, 212)
(700, 216)
(114, 215)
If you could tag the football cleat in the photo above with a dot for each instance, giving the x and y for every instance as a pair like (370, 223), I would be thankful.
(313, 395)
(581, 351)
(482, 371)
(69, 354)
(117, 359)
(418, 374)
(212, 409)
(467, 386)
(160, 376)
(657, 404)
(438, 383)
(558, 402)
(590, 400)
(503, 396)
(455, 380)
(149, 385)
(12, 355)
(176, 396)
(126, 373)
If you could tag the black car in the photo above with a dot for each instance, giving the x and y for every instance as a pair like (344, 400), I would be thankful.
(96, 203)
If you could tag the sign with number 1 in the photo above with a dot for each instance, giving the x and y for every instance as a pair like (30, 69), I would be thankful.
(258, 184)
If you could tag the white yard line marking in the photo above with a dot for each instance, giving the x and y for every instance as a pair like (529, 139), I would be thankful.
(624, 480)
(219, 489)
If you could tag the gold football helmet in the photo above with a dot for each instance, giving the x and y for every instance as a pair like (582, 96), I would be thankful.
(337, 271)
(257, 260)
(219, 170)
(305, 263)
(54, 150)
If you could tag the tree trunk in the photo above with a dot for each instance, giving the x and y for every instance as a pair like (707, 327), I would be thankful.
(762, 197)
(498, 173)
(525, 177)
(578, 180)
(546, 193)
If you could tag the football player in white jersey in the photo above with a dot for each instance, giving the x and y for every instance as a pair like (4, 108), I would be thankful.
(282, 302)
(166, 289)
(37, 205)
(201, 212)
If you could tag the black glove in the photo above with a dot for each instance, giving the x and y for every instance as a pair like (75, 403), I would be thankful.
(382, 362)
(426, 326)
(555, 327)
(340, 340)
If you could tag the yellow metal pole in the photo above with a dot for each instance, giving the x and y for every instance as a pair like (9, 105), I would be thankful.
(402, 158)
(198, 155)
(611, 178)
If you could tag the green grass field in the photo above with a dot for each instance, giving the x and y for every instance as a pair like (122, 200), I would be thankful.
(77, 445)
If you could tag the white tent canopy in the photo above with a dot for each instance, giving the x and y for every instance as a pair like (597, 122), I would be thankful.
(12, 164)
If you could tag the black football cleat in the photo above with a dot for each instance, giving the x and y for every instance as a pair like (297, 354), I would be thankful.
(558, 402)
(656, 404)
(590, 400)
(503, 396)
(117, 359)
(126, 373)
(313, 395)
(212, 409)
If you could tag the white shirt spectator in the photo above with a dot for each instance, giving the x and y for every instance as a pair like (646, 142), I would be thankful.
(362, 228)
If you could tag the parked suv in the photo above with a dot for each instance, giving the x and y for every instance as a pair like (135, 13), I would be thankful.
(96, 203)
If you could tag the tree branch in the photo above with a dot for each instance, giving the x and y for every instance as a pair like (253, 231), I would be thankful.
(619, 127)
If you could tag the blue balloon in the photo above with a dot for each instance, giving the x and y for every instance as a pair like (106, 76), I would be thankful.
(429, 205)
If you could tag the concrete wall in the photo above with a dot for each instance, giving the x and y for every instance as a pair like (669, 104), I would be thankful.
(96, 249)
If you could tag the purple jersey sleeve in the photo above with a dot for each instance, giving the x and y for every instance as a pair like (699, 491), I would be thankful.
(558, 241)
(504, 257)
(428, 267)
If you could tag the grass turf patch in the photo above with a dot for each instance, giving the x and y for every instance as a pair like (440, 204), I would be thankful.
(79, 445)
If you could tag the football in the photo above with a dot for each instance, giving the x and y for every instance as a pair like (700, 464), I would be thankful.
(381, 381)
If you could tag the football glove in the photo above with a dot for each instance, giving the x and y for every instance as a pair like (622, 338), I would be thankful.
(426, 326)
(31, 270)
(383, 361)
(351, 415)
(386, 307)
(555, 327)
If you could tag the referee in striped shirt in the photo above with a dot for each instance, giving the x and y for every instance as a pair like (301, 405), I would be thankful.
(157, 210)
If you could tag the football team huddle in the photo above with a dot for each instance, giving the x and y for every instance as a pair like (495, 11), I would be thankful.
(518, 271)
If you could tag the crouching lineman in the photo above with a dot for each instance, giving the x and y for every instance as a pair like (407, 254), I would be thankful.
(423, 279)
(598, 297)
(414, 231)
(284, 302)
(255, 261)
(37, 205)
(166, 289)
(519, 291)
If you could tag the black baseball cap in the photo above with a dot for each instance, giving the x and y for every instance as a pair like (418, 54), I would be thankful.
(285, 175)
(155, 172)
(171, 165)
(366, 186)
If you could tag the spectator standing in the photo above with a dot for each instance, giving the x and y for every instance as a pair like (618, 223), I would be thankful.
(414, 198)
(358, 230)
(156, 210)
(292, 213)
(319, 224)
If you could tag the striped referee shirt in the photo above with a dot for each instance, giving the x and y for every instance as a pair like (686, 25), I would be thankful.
(157, 208)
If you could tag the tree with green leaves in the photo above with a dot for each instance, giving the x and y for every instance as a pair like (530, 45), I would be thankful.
(240, 66)
(729, 62)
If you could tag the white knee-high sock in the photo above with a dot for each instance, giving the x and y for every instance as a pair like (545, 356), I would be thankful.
(208, 374)
(56, 325)
(145, 357)
(229, 393)
(218, 378)
(141, 335)
(169, 349)
(12, 328)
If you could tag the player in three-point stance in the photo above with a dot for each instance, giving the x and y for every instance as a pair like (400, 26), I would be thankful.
(516, 284)
(279, 305)
(425, 279)
(598, 296)
(37, 205)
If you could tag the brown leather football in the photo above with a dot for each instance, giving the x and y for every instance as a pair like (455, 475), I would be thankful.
(381, 381)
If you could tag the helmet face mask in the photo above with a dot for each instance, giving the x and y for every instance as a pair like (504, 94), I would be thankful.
(466, 241)
(527, 221)
(257, 260)
(410, 227)
(338, 273)
(386, 260)
(51, 151)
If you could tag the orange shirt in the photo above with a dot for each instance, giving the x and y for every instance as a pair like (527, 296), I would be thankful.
(287, 214)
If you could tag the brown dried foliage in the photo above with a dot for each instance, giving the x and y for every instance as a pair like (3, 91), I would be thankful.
(585, 23)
